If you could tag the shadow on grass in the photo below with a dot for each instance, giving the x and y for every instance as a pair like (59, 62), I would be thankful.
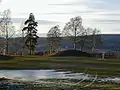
(3, 57)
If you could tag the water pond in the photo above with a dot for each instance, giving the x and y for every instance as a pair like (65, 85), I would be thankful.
(48, 78)
(49, 74)
(40, 74)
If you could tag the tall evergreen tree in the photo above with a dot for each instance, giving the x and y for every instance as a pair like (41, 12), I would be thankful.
(31, 33)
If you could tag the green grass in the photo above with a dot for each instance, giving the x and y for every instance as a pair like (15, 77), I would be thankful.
(103, 68)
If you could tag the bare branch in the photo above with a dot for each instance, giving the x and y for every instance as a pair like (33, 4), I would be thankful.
(53, 37)
(7, 30)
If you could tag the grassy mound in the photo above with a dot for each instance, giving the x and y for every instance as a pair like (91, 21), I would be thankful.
(71, 53)
(3, 57)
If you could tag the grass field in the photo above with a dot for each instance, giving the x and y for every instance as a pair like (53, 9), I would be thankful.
(103, 68)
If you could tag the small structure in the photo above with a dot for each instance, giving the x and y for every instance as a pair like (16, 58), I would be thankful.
(100, 53)
(103, 55)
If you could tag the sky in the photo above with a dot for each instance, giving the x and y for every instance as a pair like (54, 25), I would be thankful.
(101, 14)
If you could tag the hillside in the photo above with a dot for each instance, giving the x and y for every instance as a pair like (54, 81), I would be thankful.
(110, 42)
(71, 53)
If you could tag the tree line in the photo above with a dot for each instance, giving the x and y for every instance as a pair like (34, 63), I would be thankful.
(73, 30)
(7, 33)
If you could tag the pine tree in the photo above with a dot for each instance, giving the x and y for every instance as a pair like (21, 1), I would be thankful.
(31, 34)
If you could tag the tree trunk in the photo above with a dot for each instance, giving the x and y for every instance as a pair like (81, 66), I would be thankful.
(6, 46)
(75, 40)
(30, 48)
(94, 43)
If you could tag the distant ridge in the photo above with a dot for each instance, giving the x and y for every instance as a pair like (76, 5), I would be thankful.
(111, 42)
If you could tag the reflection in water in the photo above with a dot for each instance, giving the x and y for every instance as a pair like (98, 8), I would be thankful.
(39, 74)
(49, 74)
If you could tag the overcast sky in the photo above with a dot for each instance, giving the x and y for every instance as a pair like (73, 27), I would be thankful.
(100, 14)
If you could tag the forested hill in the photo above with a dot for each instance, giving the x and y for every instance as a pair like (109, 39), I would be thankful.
(110, 42)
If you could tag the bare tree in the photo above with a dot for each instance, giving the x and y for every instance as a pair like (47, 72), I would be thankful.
(7, 30)
(53, 37)
(73, 29)
(94, 38)
(18, 42)
(82, 39)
